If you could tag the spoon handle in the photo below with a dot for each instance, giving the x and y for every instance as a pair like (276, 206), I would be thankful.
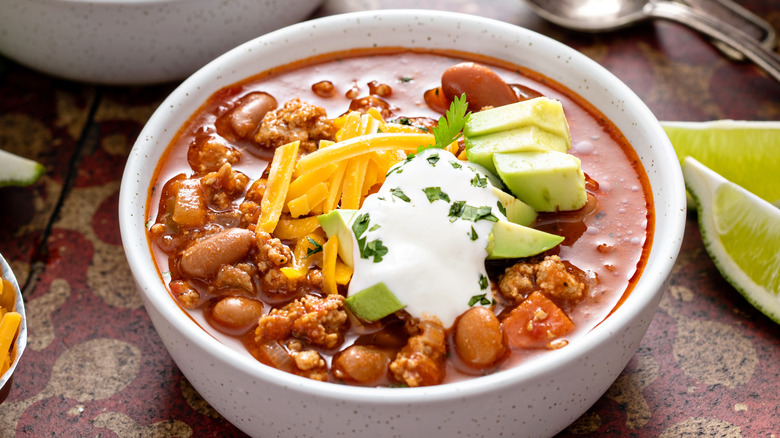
(739, 17)
(719, 30)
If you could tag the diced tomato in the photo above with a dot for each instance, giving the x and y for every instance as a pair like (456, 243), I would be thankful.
(535, 323)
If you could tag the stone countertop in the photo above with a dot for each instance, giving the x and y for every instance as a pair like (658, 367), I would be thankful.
(709, 364)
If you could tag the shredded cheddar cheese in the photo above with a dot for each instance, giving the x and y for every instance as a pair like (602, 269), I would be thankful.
(329, 258)
(10, 321)
(282, 167)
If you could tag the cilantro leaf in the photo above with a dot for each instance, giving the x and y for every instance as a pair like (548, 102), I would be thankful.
(361, 225)
(479, 299)
(455, 165)
(473, 234)
(434, 193)
(456, 209)
(501, 208)
(317, 247)
(398, 193)
(461, 210)
(483, 283)
(375, 249)
(453, 122)
(474, 214)
(479, 182)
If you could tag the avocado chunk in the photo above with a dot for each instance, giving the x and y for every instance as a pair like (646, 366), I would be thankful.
(508, 240)
(514, 209)
(547, 181)
(339, 222)
(480, 149)
(374, 303)
(542, 112)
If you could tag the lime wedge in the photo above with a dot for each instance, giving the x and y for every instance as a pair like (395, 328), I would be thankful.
(746, 153)
(741, 233)
(18, 171)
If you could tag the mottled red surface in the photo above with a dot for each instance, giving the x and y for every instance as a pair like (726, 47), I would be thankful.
(708, 365)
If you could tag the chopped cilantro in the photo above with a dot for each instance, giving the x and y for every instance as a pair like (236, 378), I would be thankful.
(455, 165)
(479, 299)
(433, 159)
(404, 79)
(479, 182)
(456, 209)
(317, 247)
(461, 210)
(398, 193)
(361, 225)
(373, 249)
(473, 234)
(501, 208)
(434, 193)
(404, 121)
(483, 282)
(375, 227)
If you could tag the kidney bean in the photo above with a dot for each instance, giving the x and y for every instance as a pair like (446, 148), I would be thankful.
(205, 257)
(361, 363)
(482, 86)
(479, 341)
(235, 314)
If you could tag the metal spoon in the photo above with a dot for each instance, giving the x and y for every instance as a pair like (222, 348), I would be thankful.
(605, 15)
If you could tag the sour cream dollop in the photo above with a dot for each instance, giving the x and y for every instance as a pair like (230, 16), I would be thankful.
(425, 234)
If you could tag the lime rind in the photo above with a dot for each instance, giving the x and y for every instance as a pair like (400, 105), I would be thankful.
(741, 233)
(18, 171)
(743, 152)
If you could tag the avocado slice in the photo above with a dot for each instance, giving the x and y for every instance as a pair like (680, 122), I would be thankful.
(508, 240)
(543, 112)
(480, 149)
(374, 303)
(547, 181)
(339, 222)
(515, 210)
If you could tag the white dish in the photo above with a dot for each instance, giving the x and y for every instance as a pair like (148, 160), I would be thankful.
(21, 340)
(537, 399)
(135, 41)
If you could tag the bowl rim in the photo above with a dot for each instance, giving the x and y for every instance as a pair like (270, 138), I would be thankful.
(200, 85)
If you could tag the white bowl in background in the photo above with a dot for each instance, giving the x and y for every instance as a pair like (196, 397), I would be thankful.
(537, 399)
(131, 42)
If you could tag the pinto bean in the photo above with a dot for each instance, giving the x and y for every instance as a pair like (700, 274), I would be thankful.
(479, 341)
(482, 86)
(324, 89)
(205, 257)
(236, 314)
(362, 363)
(251, 109)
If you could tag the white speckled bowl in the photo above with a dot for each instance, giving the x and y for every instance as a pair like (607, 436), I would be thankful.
(135, 41)
(21, 340)
(537, 399)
